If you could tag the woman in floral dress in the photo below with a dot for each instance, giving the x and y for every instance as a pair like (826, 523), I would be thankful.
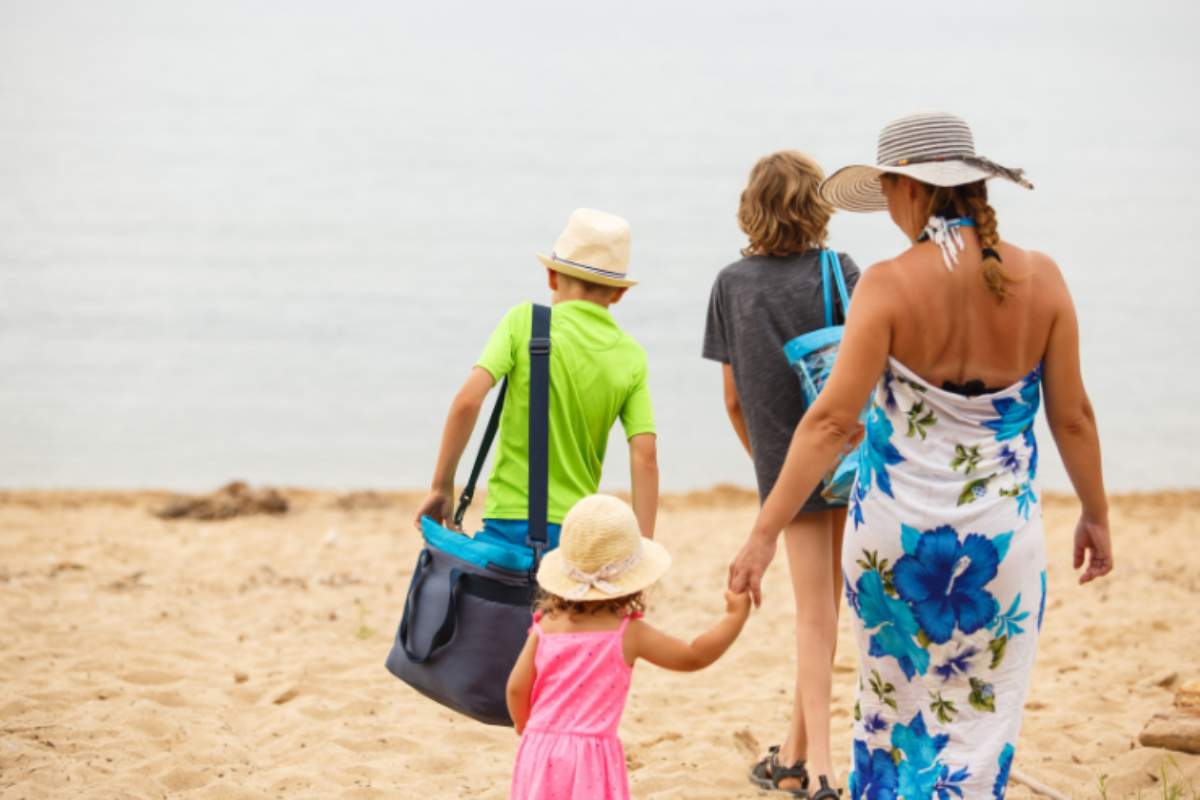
(944, 564)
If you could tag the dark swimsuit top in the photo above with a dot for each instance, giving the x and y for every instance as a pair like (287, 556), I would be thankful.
(971, 388)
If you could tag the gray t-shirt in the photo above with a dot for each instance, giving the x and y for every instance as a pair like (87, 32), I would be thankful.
(757, 305)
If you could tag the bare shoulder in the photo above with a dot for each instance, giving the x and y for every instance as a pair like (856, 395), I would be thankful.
(1047, 277)
(880, 283)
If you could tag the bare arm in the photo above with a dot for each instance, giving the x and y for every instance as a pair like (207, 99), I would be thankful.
(825, 428)
(733, 407)
(520, 684)
(1073, 425)
(643, 480)
(460, 421)
(646, 641)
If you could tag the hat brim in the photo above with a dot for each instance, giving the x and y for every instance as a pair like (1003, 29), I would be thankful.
(584, 274)
(653, 564)
(857, 187)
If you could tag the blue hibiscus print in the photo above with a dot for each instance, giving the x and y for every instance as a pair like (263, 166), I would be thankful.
(919, 771)
(877, 454)
(892, 625)
(1010, 460)
(1031, 443)
(1001, 784)
(874, 723)
(1016, 415)
(943, 582)
(851, 595)
(956, 665)
(947, 785)
(1007, 623)
(1026, 497)
(857, 494)
(1042, 604)
(874, 776)
(889, 397)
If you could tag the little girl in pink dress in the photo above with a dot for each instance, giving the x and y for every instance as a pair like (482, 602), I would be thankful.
(568, 687)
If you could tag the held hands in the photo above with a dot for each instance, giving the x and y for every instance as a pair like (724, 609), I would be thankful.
(438, 505)
(1092, 537)
(746, 571)
(737, 605)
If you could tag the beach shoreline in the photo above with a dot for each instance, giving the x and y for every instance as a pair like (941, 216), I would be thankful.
(243, 658)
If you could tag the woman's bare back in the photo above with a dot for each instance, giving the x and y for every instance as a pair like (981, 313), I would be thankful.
(948, 327)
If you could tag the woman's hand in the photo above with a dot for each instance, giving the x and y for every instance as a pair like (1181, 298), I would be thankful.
(746, 571)
(1093, 541)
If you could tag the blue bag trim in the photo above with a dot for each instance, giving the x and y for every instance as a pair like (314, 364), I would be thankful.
(476, 551)
(812, 341)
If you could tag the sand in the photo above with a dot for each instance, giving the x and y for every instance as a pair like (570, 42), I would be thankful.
(244, 658)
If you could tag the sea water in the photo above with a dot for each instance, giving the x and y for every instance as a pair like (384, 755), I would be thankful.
(268, 240)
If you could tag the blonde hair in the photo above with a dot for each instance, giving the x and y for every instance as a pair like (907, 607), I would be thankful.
(971, 200)
(588, 288)
(623, 606)
(780, 209)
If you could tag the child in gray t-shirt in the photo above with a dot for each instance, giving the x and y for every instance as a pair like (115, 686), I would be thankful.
(769, 297)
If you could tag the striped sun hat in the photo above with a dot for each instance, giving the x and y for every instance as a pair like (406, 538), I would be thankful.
(935, 148)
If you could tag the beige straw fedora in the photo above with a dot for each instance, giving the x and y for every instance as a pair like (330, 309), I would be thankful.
(601, 553)
(593, 247)
(935, 148)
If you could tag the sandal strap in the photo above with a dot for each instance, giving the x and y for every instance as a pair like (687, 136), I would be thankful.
(825, 792)
(779, 772)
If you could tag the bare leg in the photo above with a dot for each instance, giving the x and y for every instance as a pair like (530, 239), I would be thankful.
(810, 550)
(839, 531)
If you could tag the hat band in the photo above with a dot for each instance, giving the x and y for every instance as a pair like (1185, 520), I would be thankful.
(606, 273)
(1015, 175)
(600, 579)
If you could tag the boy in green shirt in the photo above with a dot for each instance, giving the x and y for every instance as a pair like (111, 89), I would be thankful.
(597, 374)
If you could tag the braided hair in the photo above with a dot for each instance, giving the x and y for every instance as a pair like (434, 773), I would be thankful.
(970, 200)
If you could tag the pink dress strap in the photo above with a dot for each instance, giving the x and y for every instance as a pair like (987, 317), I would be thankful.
(619, 633)
(536, 626)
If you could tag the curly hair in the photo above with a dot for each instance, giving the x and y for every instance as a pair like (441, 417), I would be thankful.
(623, 606)
(780, 209)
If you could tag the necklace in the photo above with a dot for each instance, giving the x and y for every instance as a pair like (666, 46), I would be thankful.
(946, 235)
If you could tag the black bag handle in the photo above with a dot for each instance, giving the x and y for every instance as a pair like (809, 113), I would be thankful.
(460, 581)
(445, 631)
(539, 430)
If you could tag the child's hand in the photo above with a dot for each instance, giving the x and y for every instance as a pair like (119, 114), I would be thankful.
(438, 506)
(737, 604)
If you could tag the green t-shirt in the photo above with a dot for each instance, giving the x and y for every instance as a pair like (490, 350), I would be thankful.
(597, 374)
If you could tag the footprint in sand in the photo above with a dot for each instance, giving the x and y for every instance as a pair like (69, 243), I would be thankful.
(150, 677)
(183, 780)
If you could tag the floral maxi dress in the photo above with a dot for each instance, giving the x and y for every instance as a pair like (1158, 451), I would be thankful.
(944, 567)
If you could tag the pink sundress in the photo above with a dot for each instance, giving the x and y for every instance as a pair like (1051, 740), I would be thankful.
(570, 749)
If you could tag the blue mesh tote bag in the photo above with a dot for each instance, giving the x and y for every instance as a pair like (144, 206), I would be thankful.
(812, 354)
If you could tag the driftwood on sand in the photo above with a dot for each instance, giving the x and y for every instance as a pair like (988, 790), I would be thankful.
(235, 499)
(1179, 728)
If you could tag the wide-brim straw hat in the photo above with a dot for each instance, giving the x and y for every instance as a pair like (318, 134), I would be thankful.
(935, 148)
(594, 247)
(601, 553)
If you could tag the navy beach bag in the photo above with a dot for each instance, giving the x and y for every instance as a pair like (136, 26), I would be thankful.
(469, 603)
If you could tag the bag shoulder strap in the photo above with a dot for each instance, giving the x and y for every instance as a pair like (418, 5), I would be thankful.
(840, 281)
(484, 446)
(539, 429)
(825, 291)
